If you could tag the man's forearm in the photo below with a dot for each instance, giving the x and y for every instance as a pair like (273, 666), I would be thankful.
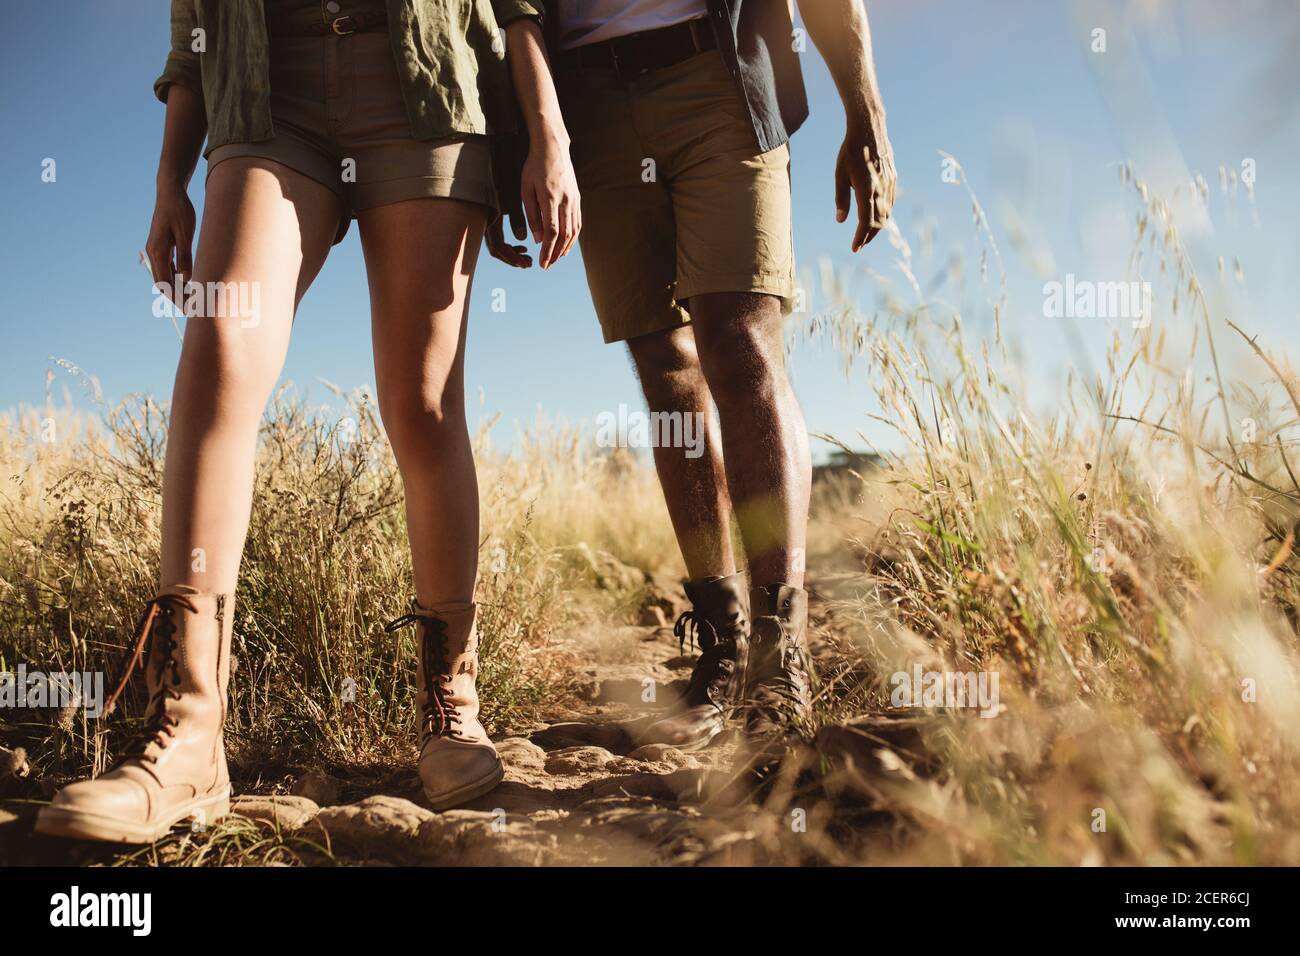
(185, 126)
(531, 75)
(840, 31)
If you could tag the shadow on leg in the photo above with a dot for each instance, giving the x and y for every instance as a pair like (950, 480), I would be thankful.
(694, 485)
(266, 232)
(764, 439)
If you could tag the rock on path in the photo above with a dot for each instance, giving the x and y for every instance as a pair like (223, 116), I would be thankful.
(575, 791)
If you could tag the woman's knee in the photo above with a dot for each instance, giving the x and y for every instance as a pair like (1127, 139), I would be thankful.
(420, 418)
(224, 367)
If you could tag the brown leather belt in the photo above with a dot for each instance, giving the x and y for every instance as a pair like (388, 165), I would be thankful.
(639, 53)
(300, 26)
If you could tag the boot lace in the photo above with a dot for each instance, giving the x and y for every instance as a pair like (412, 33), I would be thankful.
(717, 658)
(440, 717)
(156, 631)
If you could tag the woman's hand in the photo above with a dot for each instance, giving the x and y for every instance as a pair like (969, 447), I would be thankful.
(171, 235)
(550, 196)
(548, 186)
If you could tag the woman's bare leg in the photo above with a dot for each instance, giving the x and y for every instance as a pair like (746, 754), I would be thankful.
(420, 258)
(266, 232)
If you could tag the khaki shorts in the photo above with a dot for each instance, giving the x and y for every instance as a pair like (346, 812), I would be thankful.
(677, 200)
(336, 102)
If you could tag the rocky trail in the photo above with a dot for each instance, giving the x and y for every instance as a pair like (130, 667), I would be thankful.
(578, 790)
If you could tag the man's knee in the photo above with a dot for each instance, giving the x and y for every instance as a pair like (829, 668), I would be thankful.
(742, 362)
(668, 367)
(666, 352)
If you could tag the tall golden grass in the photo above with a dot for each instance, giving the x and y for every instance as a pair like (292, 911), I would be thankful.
(1125, 565)
(326, 565)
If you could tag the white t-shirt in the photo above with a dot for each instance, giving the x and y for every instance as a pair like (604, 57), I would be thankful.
(591, 21)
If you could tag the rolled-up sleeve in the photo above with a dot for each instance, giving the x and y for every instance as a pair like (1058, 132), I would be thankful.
(183, 62)
(508, 11)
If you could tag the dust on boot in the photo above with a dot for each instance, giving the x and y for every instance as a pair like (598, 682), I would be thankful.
(719, 623)
(777, 693)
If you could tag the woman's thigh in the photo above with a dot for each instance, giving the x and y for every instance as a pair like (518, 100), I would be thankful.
(420, 259)
(265, 235)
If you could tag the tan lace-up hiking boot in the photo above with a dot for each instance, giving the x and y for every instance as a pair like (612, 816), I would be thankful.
(174, 768)
(721, 626)
(777, 694)
(457, 760)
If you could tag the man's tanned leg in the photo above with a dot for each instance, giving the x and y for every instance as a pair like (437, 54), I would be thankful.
(695, 489)
(764, 440)
(769, 475)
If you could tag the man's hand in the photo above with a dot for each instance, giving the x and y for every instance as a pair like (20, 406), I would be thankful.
(866, 160)
(497, 246)
(866, 166)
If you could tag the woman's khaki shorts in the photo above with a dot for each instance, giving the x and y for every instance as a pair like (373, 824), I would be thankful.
(677, 200)
(336, 102)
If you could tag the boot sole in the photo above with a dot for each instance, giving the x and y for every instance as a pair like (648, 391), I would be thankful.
(688, 747)
(82, 825)
(740, 677)
(468, 792)
(695, 745)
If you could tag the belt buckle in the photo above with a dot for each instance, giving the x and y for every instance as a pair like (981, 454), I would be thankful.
(693, 27)
(638, 66)
(337, 25)
(613, 57)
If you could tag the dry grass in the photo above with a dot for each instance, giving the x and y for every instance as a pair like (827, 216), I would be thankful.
(326, 565)
(1125, 566)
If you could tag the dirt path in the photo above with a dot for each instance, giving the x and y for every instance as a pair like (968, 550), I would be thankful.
(578, 790)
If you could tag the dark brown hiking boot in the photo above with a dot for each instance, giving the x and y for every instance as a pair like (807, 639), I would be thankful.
(777, 692)
(718, 622)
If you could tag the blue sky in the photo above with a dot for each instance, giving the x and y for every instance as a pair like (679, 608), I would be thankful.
(1011, 88)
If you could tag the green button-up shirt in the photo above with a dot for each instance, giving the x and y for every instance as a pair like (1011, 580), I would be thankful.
(450, 58)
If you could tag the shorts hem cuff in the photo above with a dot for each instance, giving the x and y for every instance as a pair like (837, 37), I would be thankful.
(781, 286)
(387, 192)
(675, 320)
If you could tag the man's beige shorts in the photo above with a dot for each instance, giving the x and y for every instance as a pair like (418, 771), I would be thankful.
(677, 200)
(336, 102)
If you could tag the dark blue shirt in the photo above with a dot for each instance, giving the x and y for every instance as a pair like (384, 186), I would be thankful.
(756, 39)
